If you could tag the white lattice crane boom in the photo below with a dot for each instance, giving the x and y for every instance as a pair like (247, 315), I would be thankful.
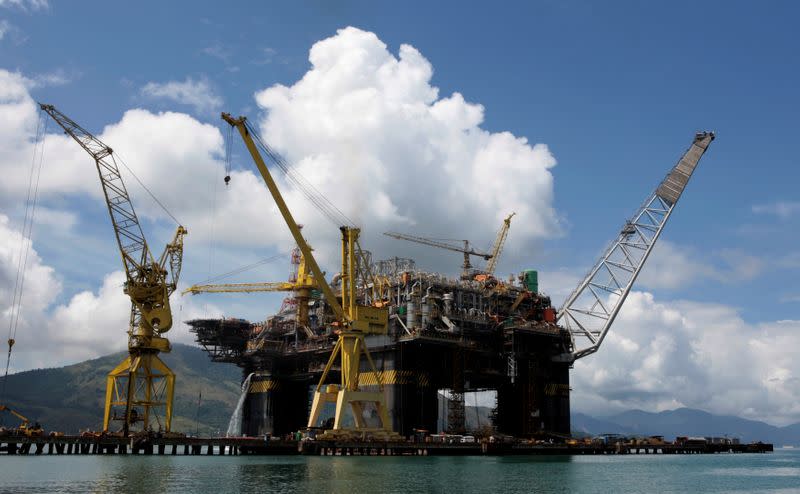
(591, 309)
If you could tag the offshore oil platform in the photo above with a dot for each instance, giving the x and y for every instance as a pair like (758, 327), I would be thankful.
(365, 355)
(474, 333)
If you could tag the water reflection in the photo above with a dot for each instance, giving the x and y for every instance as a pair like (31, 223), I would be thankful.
(217, 474)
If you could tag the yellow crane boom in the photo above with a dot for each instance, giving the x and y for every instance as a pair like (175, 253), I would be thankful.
(353, 321)
(302, 285)
(15, 413)
(281, 286)
(498, 244)
(25, 427)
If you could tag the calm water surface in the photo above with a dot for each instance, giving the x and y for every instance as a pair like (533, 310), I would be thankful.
(778, 472)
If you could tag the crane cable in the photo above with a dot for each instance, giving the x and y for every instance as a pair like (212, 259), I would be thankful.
(212, 219)
(228, 157)
(26, 241)
(150, 193)
(242, 269)
(322, 203)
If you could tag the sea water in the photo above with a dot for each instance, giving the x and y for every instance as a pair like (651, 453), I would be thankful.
(777, 472)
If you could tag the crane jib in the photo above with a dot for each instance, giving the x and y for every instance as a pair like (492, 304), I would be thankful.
(591, 309)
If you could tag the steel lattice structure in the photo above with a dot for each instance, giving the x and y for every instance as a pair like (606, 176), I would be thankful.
(591, 309)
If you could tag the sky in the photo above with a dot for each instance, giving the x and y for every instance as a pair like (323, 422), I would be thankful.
(432, 118)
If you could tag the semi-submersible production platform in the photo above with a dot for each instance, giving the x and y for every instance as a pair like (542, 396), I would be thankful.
(364, 355)
(433, 333)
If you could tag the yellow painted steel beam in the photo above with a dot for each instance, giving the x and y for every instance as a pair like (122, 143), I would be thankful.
(282, 286)
(330, 297)
(498, 244)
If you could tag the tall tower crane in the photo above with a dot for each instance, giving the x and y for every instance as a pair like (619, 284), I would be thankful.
(590, 310)
(353, 321)
(498, 244)
(139, 391)
(467, 250)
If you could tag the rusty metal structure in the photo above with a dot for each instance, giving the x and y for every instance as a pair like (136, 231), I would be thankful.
(466, 334)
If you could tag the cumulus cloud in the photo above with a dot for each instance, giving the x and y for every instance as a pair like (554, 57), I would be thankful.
(370, 131)
(93, 323)
(195, 93)
(88, 324)
(661, 356)
(40, 287)
(365, 127)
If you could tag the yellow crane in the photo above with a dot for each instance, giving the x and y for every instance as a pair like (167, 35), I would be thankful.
(25, 427)
(467, 273)
(498, 245)
(302, 286)
(466, 268)
(139, 391)
(353, 321)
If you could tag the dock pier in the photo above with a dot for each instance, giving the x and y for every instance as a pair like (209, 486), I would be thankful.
(234, 446)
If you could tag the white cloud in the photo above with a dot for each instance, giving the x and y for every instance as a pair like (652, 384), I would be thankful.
(558, 284)
(39, 289)
(267, 56)
(58, 77)
(5, 27)
(782, 209)
(102, 318)
(88, 325)
(672, 266)
(196, 93)
(663, 355)
(370, 132)
(178, 157)
(363, 126)
(26, 4)
(217, 50)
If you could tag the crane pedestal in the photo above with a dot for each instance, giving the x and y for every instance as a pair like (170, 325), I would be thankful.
(140, 390)
(349, 348)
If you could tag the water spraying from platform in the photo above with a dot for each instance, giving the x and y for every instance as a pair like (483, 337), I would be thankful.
(235, 423)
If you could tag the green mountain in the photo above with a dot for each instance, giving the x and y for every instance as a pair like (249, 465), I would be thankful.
(70, 398)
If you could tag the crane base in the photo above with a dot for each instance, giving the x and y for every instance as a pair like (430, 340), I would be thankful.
(139, 393)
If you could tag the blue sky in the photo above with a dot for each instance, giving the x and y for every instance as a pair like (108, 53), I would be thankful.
(615, 91)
